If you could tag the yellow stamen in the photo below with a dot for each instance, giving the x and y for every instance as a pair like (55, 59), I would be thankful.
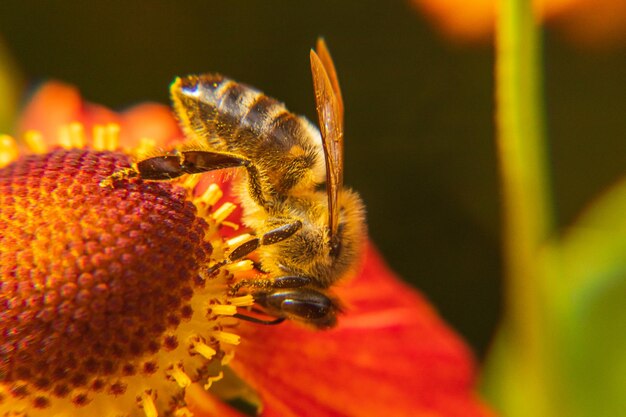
(145, 148)
(112, 137)
(224, 310)
(238, 240)
(212, 379)
(211, 196)
(99, 140)
(245, 265)
(183, 412)
(106, 138)
(147, 402)
(223, 212)
(72, 136)
(9, 151)
(34, 142)
(179, 375)
(242, 301)
(207, 199)
(205, 350)
(228, 356)
(232, 225)
(226, 337)
(190, 182)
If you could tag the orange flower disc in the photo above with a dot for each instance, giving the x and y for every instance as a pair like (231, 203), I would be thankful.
(90, 277)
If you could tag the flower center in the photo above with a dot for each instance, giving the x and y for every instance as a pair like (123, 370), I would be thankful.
(103, 297)
(92, 273)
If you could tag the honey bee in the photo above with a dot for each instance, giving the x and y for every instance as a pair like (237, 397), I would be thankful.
(306, 238)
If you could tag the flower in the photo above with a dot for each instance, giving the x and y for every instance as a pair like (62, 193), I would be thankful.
(587, 22)
(108, 307)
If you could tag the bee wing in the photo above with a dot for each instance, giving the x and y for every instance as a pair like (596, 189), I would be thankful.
(330, 113)
(327, 62)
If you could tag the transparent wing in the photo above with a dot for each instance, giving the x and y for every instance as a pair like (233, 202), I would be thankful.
(330, 113)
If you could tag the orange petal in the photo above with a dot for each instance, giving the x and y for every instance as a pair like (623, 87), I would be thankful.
(586, 22)
(149, 120)
(390, 355)
(595, 23)
(461, 20)
(56, 104)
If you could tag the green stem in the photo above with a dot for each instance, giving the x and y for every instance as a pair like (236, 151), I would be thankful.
(527, 215)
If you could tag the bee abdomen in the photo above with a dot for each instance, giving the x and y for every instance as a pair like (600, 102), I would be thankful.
(237, 118)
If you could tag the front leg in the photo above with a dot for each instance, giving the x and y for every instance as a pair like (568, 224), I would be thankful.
(190, 161)
(272, 283)
(243, 249)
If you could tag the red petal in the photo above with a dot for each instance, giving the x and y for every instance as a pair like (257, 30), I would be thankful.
(390, 355)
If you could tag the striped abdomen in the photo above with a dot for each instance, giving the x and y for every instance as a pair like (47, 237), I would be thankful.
(234, 117)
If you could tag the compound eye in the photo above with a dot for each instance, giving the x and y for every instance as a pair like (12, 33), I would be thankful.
(304, 304)
(310, 308)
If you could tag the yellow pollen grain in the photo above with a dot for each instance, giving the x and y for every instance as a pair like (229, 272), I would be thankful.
(205, 350)
(223, 212)
(9, 151)
(181, 378)
(34, 142)
(147, 403)
(210, 380)
(224, 310)
(241, 266)
(226, 337)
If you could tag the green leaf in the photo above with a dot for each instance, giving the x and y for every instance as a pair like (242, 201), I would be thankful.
(589, 297)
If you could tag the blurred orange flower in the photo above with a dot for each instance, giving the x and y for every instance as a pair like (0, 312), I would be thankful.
(390, 354)
(588, 22)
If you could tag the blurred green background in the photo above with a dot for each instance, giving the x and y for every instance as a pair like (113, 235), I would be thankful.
(419, 112)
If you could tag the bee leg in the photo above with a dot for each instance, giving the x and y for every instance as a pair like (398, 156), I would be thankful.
(269, 238)
(257, 320)
(285, 282)
(275, 235)
(198, 161)
(179, 162)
